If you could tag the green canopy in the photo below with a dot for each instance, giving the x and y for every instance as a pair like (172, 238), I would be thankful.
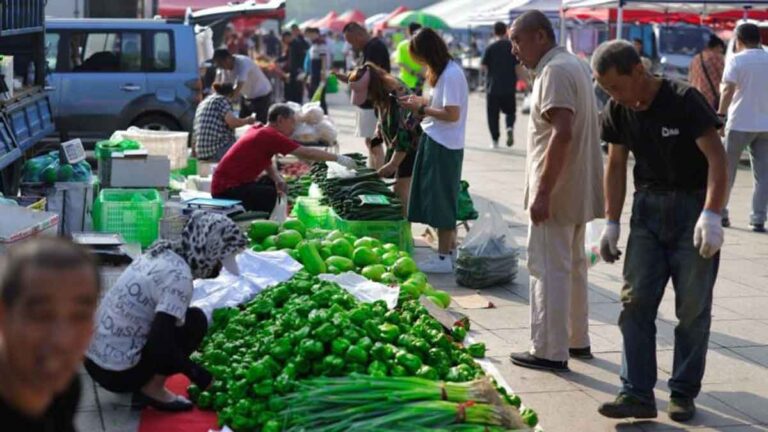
(423, 18)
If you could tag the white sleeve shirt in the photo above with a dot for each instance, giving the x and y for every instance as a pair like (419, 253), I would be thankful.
(250, 76)
(748, 111)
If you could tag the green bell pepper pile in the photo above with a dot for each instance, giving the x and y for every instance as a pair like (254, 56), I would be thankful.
(306, 328)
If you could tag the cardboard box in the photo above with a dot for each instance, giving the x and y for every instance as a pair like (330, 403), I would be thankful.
(149, 172)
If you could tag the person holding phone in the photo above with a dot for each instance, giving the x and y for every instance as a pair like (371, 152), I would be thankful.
(437, 169)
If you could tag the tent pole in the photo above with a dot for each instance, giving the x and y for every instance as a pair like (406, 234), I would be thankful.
(562, 27)
(619, 19)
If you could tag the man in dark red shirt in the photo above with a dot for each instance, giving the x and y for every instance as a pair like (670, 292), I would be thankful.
(246, 171)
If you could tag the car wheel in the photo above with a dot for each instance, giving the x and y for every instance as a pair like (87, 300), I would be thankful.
(156, 122)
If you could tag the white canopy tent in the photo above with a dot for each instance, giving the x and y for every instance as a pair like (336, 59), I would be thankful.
(454, 12)
(701, 7)
(507, 10)
(375, 19)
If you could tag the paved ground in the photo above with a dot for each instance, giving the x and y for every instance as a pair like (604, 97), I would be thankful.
(735, 394)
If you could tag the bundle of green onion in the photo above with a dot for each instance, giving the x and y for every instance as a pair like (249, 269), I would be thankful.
(364, 403)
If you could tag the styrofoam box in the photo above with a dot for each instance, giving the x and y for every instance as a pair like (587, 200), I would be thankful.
(18, 224)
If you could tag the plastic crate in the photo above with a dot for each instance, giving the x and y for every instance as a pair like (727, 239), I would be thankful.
(161, 143)
(397, 232)
(312, 214)
(134, 213)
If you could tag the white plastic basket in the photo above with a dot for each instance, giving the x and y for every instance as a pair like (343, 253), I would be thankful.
(160, 143)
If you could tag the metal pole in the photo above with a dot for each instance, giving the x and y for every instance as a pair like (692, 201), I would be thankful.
(619, 20)
(562, 27)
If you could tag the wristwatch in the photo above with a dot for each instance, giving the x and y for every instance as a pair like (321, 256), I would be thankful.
(422, 110)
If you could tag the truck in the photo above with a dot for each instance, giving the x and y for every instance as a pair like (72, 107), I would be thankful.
(25, 109)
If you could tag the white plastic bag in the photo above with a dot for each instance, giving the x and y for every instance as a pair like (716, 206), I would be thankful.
(305, 133)
(592, 241)
(312, 113)
(258, 271)
(363, 289)
(280, 212)
(326, 131)
(488, 256)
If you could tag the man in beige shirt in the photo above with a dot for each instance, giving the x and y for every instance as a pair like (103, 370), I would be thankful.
(563, 193)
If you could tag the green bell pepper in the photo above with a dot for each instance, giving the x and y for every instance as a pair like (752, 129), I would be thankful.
(326, 332)
(356, 354)
(389, 332)
(477, 350)
(340, 346)
(427, 372)
(311, 349)
(459, 333)
(377, 369)
(382, 352)
(409, 361)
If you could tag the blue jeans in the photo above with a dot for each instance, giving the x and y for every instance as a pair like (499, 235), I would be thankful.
(661, 247)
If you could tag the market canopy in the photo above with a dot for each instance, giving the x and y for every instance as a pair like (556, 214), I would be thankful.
(702, 7)
(382, 24)
(455, 13)
(375, 19)
(179, 8)
(353, 15)
(423, 18)
(506, 11)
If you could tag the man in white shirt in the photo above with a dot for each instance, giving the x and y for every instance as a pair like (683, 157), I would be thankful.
(744, 103)
(251, 84)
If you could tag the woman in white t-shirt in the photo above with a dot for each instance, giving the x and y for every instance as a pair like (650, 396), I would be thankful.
(437, 172)
(145, 327)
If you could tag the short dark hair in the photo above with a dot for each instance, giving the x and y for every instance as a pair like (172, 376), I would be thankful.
(617, 54)
(499, 28)
(353, 27)
(638, 40)
(715, 42)
(224, 89)
(295, 27)
(535, 20)
(43, 253)
(286, 34)
(748, 34)
(413, 27)
(221, 54)
(312, 30)
(279, 110)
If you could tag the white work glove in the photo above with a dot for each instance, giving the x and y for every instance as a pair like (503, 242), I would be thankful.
(708, 234)
(346, 161)
(609, 242)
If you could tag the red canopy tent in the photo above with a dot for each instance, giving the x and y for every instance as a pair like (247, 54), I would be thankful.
(326, 21)
(383, 23)
(353, 15)
(642, 16)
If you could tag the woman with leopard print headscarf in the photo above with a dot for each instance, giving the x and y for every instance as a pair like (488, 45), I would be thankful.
(146, 329)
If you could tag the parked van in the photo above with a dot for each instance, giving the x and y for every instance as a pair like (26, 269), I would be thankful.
(108, 74)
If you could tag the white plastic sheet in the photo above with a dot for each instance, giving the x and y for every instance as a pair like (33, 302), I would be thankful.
(258, 271)
(364, 290)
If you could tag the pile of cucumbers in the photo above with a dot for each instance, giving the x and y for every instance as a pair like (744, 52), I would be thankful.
(344, 194)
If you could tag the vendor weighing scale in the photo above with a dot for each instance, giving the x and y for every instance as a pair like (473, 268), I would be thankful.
(72, 151)
(224, 207)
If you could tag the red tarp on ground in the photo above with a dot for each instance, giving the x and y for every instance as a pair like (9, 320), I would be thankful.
(195, 420)
(381, 25)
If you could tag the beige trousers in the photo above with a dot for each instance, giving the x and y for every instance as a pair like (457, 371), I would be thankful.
(559, 308)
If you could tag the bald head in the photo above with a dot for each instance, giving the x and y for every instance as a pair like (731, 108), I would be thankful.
(534, 21)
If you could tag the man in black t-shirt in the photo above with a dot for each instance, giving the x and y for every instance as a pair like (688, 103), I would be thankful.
(372, 50)
(675, 231)
(297, 51)
(49, 289)
(501, 78)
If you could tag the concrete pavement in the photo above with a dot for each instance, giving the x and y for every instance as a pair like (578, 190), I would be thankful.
(735, 393)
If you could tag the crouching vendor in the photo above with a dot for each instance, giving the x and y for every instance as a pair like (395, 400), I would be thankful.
(247, 173)
(145, 327)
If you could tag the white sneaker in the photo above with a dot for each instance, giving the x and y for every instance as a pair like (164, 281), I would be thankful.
(494, 144)
(436, 265)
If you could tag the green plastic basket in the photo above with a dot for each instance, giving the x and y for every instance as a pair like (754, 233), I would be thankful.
(311, 213)
(133, 213)
(397, 232)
